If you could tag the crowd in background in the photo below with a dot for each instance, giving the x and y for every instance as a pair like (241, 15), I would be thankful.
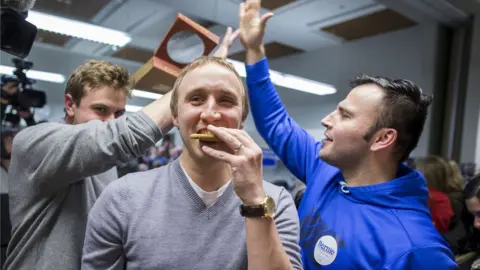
(157, 156)
(446, 182)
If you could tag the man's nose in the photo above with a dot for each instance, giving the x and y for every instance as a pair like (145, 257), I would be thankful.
(210, 112)
(326, 121)
(210, 115)
(109, 117)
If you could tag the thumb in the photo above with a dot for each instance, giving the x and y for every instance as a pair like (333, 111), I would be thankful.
(264, 19)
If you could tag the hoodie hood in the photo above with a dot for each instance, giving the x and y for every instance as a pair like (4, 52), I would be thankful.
(407, 191)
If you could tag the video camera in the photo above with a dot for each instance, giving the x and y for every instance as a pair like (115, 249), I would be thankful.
(18, 34)
(24, 97)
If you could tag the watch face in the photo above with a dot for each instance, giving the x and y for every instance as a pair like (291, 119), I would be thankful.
(270, 207)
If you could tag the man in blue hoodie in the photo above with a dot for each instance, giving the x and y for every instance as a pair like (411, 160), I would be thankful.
(362, 208)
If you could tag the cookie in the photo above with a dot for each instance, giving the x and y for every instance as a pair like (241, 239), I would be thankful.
(204, 137)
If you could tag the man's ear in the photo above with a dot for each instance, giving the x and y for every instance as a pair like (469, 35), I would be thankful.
(69, 105)
(384, 138)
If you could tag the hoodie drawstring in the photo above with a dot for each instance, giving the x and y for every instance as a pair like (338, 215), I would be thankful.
(344, 187)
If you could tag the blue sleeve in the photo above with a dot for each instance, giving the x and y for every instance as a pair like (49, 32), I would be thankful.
(293, 145)
(428, 257)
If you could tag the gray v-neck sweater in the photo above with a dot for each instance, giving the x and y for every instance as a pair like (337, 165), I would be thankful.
(156, 220)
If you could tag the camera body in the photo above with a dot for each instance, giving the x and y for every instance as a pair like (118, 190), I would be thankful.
(18, 34)
(23, 97)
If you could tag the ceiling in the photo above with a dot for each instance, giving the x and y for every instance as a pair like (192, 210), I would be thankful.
(297, 26)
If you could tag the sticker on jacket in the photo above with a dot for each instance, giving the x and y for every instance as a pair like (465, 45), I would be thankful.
(325, 250)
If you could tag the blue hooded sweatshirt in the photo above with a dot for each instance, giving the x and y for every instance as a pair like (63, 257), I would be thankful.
(381, 226)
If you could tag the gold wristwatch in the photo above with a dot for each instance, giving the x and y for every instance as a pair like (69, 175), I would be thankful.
(264, 210)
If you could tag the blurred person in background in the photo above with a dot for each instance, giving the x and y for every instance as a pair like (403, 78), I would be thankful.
(436, 170)
(6, 139)
(458, 234)
(457, 182)
(60, 169)
(447, 204)
(472, 200)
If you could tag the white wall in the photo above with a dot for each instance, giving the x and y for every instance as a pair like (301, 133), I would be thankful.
(470, 151)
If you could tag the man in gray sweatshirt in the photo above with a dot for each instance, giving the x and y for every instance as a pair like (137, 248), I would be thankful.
(58, 170)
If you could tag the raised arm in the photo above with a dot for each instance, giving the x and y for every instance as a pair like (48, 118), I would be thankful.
(295, 147)
(58, 154)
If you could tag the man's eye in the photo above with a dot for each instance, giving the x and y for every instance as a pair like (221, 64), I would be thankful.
(195, 99)
(227, 100)
(102, 110)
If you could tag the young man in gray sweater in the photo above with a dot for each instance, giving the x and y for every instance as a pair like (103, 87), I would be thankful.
(58, 170)
(209, 209)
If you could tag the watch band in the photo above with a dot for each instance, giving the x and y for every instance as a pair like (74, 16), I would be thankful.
(252, 211)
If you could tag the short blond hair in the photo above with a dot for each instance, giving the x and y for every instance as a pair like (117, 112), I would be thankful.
(97, 73)
(199, 62)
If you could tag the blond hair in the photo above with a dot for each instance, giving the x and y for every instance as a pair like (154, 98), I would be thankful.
(455, 179)
(436, 170)
(97, 73)
(199, 62)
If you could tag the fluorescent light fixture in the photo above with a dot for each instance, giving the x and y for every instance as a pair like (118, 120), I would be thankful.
(145, 94)
(133, 108)
(78, 29)
(36, 75)
(302, 84)
(290, 81)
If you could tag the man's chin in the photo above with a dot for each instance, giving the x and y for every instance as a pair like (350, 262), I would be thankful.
(323, 155)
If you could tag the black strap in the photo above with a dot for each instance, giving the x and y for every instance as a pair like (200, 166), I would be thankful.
(252, 211)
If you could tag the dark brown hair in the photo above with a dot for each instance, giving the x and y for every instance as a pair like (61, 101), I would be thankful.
(404, 108)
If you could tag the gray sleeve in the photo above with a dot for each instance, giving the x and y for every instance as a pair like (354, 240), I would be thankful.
(103, 244)
(54, 153)
(288, 227)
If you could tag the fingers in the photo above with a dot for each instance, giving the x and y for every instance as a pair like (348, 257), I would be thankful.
(225, 137)
(227, 33)
(220, 155)
(264, 19)
(226, 38)
(242, 137)
(241, 10)
(253, 4)
(230, 37)
(234, 35)
(235, 136)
